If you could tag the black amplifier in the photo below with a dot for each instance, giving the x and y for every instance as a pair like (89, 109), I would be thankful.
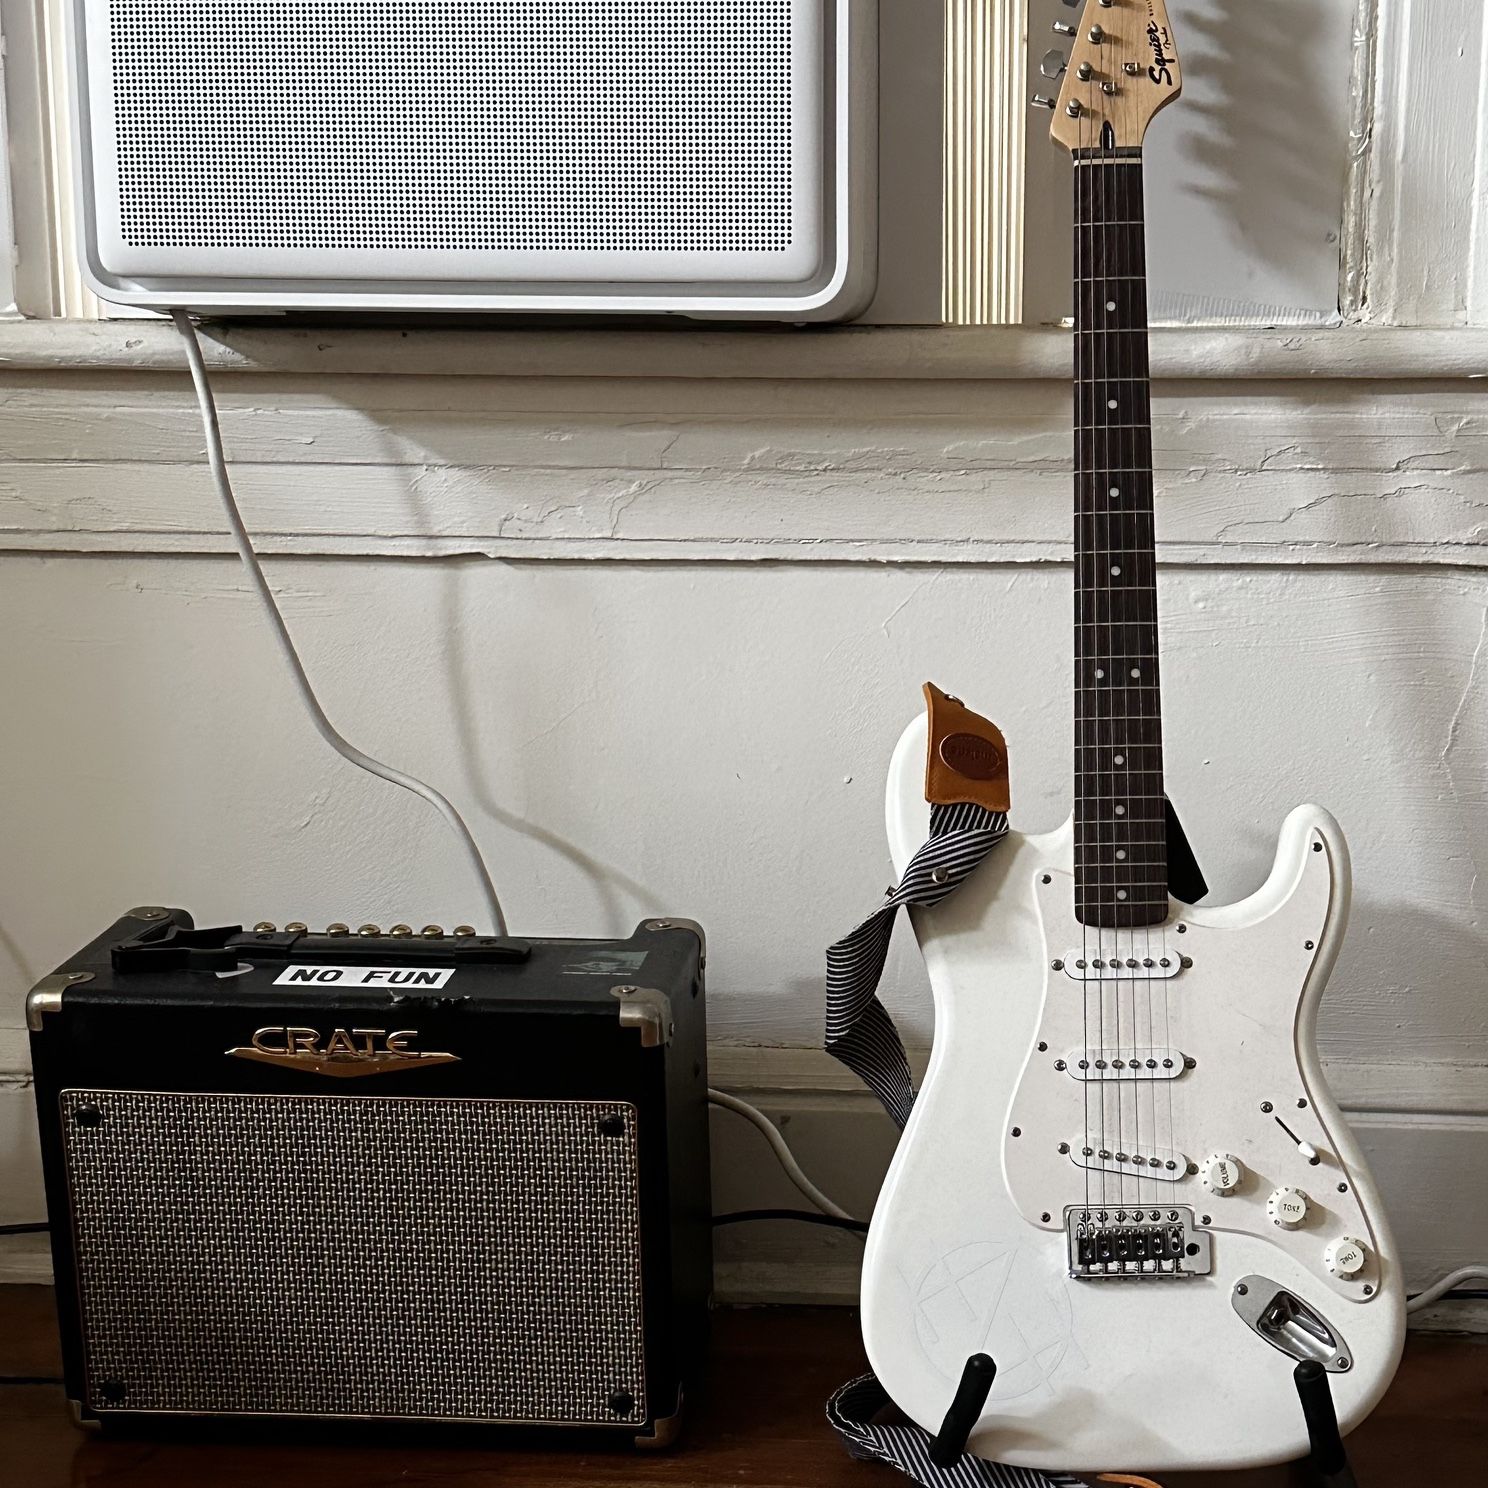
(407, 1177)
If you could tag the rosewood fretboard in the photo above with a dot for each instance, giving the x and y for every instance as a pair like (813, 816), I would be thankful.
(1121, 871)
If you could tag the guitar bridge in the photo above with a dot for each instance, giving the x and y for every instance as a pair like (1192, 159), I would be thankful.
(1159, 1243)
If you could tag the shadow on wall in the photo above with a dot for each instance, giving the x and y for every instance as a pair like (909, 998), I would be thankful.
(1260, 137)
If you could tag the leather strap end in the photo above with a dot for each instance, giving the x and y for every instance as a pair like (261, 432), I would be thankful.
(966, 759)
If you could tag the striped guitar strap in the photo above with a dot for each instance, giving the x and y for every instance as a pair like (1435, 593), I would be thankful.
(861, 1034)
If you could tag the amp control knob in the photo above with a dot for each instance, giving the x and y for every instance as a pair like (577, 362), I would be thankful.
(1221, 1173)
(1345, 1257)
(1287, 1207)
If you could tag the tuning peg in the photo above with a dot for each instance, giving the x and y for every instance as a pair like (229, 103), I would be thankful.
(1039, 101)
(1097, 34)
(1053, 63)
(1063, 28)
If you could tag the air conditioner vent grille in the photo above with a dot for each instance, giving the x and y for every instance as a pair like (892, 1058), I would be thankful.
(509, 125)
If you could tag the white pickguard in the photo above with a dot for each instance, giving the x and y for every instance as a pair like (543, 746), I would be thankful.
(1141, 1373)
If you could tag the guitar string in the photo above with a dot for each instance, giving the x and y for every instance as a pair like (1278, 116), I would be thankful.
(1081, 605)
(1096, 826)
(1121, 603)
(1152, 752)
(1135, 214)
(1119, 829)
(1129, 393)
(1098, 559)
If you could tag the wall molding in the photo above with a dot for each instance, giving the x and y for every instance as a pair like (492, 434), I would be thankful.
(936, 353)
(1362, 1086)
(844, 1142)
(1250, 472)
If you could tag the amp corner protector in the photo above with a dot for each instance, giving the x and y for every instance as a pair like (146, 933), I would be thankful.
(647, 1010)
(46, 996)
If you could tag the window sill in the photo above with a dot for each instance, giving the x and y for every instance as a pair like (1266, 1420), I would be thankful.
(842, 353)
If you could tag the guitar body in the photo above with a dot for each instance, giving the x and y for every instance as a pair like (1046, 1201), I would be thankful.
(969, 1249)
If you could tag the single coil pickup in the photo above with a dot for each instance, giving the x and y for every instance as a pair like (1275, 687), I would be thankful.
(1160, 1163)
(1086, 966)
(1124, 1064)
(1158, 1242)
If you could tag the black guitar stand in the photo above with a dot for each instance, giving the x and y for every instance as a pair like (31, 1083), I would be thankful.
(1328, 1460)
(971, 1395)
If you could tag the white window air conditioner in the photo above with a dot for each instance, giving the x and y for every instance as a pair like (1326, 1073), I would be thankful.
(710, 158)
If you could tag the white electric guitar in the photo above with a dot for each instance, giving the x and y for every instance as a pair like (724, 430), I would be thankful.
(1125, 1179)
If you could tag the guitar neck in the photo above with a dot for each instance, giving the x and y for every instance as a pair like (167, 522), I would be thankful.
(1121, 874)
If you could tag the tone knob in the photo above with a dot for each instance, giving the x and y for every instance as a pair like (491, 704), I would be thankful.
(1287, 1207)
(1221, 1173)
(1345, 1256)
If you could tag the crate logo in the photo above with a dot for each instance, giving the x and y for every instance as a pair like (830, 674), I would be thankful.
(364, 976)
(344, 1052)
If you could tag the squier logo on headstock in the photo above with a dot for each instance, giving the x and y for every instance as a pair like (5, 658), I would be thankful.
(1163, 59)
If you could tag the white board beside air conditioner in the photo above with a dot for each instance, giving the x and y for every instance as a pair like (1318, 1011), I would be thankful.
(618, 156)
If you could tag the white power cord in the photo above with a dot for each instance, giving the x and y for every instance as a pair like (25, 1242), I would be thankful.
(1438, 1289)
(777, 1144)
(323, 725)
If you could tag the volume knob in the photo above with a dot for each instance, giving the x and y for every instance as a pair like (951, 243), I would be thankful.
(1221, 1173)
(1287, 1207)
(1345, 1256)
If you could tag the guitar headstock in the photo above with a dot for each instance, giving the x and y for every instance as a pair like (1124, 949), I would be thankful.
(1121, 69)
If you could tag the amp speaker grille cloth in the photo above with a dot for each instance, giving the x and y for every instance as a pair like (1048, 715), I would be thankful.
(366, 1256)
(517, 125)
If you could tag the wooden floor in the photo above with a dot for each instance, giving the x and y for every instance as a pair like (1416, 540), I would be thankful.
(761, 1425)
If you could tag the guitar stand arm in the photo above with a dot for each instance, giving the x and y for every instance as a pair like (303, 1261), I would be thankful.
(966, 1408)
(1329, 1460)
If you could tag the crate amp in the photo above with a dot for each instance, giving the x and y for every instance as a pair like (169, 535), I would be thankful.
(407, 1177)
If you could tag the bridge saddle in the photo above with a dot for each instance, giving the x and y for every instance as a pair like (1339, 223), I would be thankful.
(1161, 1243)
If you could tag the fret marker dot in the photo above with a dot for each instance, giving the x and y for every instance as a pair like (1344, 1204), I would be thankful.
(1110, 304)
(1121, 893)
(1100, 673)
(1121, 854)
(1121, 811)
(1115, 492)
(1110, 403)
(1115, 568)
(1120, 759)
(1136, 671)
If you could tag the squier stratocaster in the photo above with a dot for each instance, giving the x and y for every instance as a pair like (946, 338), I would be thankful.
(1125, 1178)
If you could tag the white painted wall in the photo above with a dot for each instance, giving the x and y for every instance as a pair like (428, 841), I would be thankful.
(675, 685)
